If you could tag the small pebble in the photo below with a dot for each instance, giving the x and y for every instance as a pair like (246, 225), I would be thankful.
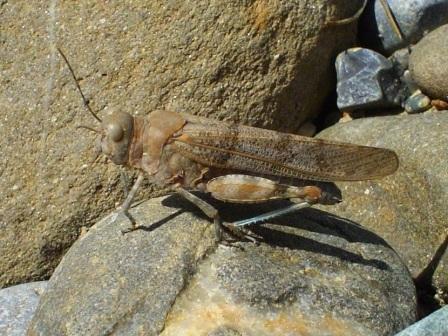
(417, 103)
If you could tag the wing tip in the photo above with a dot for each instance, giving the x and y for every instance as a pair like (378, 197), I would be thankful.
(391, 162)
(387, 165)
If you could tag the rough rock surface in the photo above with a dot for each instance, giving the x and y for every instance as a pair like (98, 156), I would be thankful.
(432, 325)
(313, 273)
(17, 307)
(407, 209)
(428, 63)
(262, 62)
(414, 17)
(367, 79)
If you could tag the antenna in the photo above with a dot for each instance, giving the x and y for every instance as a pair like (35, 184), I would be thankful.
(85, 101)
(88, 128)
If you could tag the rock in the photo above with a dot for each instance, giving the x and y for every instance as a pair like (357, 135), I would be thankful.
(17, 306)
(366, 79)
(439, 105)
(114, 282)
(400, 60)
(417, 102)
(428, 63)
(307, 129)
(257, 62)
(407, 209)
(414, 18)
(434, 324)
(313, 273)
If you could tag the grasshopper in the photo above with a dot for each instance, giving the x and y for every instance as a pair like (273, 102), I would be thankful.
(233, 163)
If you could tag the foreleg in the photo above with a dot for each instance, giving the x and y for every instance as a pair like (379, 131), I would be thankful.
(124, 208)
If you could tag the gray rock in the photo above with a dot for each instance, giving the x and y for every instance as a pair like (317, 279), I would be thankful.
(414, 17)
(257, 62)
(432, 325)
(418, 102)
(110, 283)
(407, 209)
(428, 63)
(366, 79)
(17, 307)
(400, 60)
(313, 273)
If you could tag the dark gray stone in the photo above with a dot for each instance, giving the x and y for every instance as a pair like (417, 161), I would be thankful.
(408, 209)
(17, 307)
(400, 60)
(435, 324)
(414, 17)
(418, 102)
(428, 63)
(313, 273)
(366, 79)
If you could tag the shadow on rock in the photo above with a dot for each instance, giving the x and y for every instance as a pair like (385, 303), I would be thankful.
(288, 231)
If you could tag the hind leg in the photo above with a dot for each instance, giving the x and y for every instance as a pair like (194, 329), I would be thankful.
(212, 213)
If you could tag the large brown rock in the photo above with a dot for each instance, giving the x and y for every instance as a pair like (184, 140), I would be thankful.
(266, 63)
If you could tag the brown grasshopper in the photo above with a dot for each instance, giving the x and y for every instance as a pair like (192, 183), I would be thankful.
(230, 161)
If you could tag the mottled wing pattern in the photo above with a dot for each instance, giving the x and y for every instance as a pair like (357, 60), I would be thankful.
(268, 152)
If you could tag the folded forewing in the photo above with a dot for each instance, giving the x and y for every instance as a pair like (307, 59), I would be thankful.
(267, 152)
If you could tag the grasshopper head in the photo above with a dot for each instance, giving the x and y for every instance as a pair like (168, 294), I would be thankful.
(116, 136)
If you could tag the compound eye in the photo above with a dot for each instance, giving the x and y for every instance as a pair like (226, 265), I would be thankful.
(115, 132)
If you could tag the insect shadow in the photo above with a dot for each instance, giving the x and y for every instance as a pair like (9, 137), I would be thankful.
(284, 231)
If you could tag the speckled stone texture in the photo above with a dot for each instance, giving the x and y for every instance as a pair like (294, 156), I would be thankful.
(312, 274)
(414, 17)
(265, 63)
(408, 209)
(366, 79)
(428, 63)
(433, 325)
(17, 307)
